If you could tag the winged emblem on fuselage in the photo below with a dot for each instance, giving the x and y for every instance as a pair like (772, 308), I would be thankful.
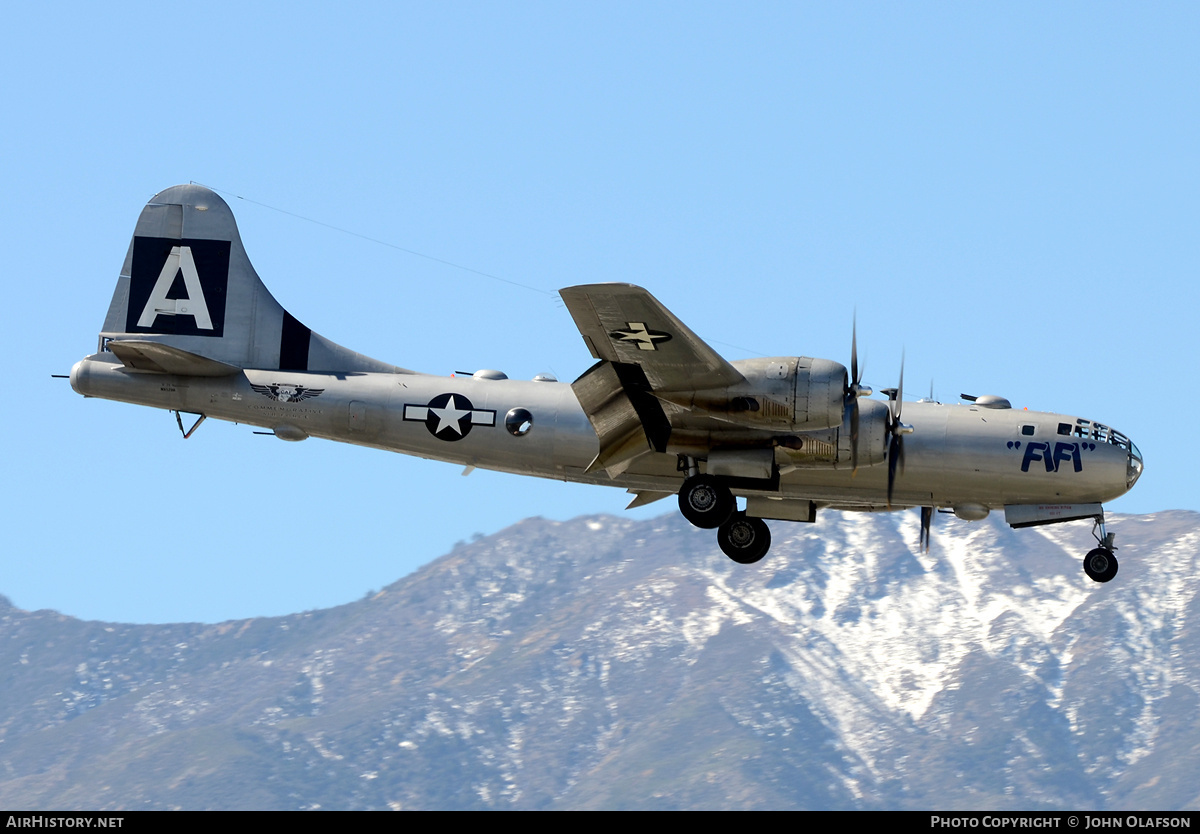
(287, 393)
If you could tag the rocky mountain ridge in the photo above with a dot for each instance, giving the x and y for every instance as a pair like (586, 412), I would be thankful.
(609, 663)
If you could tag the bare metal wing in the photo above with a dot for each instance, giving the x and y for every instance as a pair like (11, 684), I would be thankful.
(623, 323)
(648, 358)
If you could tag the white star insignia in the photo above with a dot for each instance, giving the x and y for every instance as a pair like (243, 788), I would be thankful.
(449, 416)
(641, 335)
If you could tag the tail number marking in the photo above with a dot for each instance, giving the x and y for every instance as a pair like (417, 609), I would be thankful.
(178, 286)
(180, 260)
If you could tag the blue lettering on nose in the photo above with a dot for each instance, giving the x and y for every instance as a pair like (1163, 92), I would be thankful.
(1064, 452)
(1036, 451)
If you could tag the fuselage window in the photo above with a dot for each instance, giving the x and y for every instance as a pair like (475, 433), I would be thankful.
(518, 422)
(1027, 430)
(1064, 428)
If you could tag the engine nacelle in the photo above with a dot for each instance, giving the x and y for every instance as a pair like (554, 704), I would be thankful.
(833, 448)
(780, 394)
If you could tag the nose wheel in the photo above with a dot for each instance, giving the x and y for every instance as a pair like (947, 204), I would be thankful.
(1100, 565)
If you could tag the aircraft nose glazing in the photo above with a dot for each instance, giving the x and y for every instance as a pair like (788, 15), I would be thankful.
(1135, 466)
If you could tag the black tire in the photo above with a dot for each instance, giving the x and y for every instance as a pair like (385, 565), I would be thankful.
(1100, 565)
(705, 501)
(743, 539)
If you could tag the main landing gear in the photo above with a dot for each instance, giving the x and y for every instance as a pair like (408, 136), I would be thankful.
(1100, 564)
(743, 539)
(707, 503)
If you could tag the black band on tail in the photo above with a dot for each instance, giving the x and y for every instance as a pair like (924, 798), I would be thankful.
(293, 345)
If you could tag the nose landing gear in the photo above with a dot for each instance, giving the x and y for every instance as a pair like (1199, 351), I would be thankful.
(1100, 564)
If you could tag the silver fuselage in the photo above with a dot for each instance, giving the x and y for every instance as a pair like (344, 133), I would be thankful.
(957, 455)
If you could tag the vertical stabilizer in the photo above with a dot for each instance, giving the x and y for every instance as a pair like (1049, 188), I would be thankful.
(188, 284)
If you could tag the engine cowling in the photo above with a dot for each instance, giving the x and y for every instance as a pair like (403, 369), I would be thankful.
(782, 394)
(822, 449)
(802, 402)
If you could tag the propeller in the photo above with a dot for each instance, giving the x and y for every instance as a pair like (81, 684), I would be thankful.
(854, 390)
(926, 522)
(896, 431)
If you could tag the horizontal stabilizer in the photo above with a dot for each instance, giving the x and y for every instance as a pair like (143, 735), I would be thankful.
(155, 357)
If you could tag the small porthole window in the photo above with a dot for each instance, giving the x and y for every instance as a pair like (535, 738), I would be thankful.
(518, 422)
(1027, 431)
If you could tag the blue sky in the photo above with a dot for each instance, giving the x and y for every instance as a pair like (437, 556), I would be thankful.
(1008, 194)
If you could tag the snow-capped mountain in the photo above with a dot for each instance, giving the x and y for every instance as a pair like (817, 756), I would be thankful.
(603, 662)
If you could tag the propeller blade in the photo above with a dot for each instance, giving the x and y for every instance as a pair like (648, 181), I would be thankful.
(854, 438)
(854, 386)
(893, 456)
(896, 432)
(854, 390)
(854, 377)
(926, 523)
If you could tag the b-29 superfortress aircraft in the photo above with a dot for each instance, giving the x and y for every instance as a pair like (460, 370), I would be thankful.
(192, 329)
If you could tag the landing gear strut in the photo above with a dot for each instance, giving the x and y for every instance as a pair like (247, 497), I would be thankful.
(743, 539)
(1100, 564)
